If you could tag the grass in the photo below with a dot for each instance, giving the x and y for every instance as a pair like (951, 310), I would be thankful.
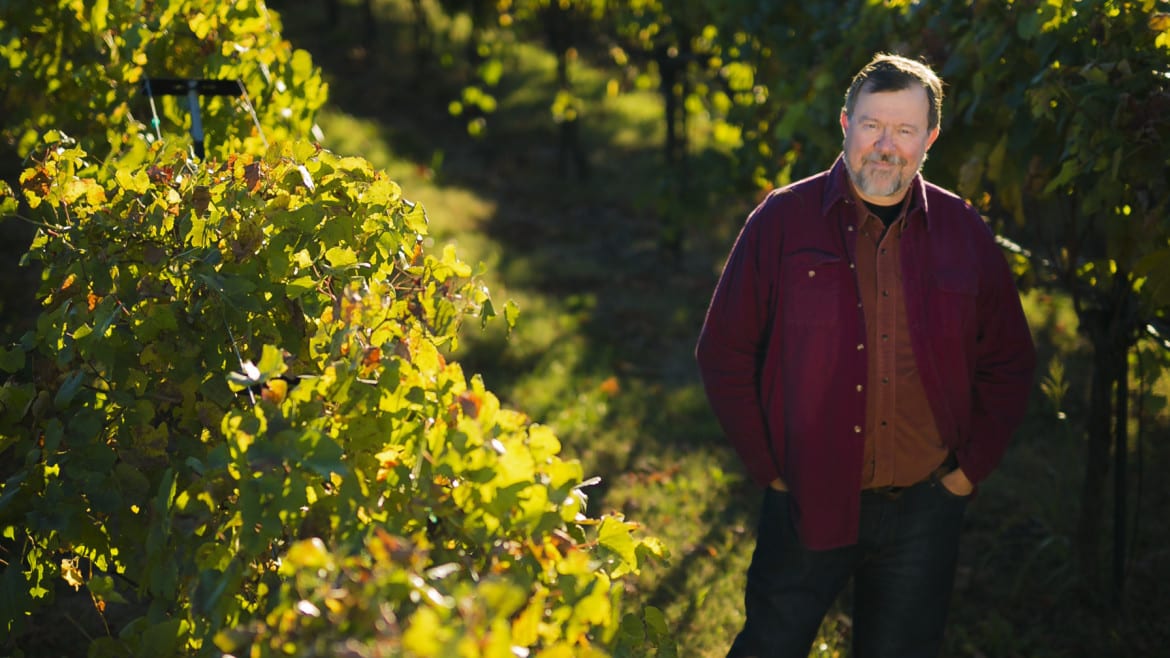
(613, 273)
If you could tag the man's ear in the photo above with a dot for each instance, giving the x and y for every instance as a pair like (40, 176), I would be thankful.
(845, 124)
(933, 136)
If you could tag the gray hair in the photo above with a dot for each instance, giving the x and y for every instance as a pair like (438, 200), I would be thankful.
(886, 72)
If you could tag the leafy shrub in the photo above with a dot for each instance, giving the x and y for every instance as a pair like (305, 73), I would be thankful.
(236, 419)
(234, 424)
(79, 67)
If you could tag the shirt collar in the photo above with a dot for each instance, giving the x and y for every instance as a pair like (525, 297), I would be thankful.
(839, 188)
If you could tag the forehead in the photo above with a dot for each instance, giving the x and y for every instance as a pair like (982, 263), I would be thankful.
(909, 105)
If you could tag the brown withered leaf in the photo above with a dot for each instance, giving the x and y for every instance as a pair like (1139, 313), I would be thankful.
(253, 176)
(470, 403)
(200, 199)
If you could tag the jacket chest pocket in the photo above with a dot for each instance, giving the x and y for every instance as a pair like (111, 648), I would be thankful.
(814, 282)
(953, 302)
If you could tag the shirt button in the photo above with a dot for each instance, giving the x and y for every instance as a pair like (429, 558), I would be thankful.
(849, 228)
(885, 293)
(883, 252)
(857, 429)
(885, 336)
(860, 346)
(852, 266)
(885, 380)
(811, 274)
(859, 388)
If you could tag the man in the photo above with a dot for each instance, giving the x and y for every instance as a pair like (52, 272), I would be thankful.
(866, 354)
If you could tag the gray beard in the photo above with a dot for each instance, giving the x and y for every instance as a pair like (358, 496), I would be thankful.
(872, 188)
(888, 187)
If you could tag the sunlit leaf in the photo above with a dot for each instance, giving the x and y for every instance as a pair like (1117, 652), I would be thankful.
(8, 201)
(341, 257)
(614, 535)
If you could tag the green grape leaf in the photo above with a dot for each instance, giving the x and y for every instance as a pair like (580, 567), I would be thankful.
(11, 360)
(69, 389)
(614, 535)
(341, 257)
(8, 201)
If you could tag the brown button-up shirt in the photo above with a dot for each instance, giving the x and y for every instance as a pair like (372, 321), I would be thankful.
(902, 443)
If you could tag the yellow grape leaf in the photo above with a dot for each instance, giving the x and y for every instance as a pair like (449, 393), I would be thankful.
(302, 64)
(543, 442)
(596, 608)
(355, 164)
(426, 633)
(450, 259)
(526, 627)
(562, 472)
(306, 554)
(654, 546)
(200, 24)
(383, 192)
(71, 573)
(516, 466)
(303, 259)
(415, 218)
(271, 362)
(74, 189)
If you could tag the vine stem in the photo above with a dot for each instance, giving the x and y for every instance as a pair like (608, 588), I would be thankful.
(239, 357)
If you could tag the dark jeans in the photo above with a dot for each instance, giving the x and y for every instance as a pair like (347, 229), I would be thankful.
(903, 569)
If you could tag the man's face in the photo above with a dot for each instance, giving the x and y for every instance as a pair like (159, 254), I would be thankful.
(886, 142)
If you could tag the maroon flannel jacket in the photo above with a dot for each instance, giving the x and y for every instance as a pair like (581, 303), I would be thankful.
(782, 349)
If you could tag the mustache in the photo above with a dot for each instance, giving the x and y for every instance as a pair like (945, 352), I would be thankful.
(885, 158)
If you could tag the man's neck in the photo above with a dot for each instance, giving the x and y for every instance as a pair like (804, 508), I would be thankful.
(885, 213)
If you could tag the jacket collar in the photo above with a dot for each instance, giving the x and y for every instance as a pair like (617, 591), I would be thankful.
(839, 188)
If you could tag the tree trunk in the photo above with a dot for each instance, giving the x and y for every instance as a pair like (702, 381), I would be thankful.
(559, 31)
(1110, 329)
(1120, 481)
(422, 43)
(1098, 427)
(371, 32)
(479, 22)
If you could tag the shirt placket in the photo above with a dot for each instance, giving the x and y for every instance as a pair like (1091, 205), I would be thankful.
(877, 261)
(885, 357)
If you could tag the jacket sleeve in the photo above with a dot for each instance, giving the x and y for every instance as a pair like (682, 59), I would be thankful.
(731, 344)
(1005, 361)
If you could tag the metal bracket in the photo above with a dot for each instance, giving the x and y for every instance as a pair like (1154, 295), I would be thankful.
(192, 89)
